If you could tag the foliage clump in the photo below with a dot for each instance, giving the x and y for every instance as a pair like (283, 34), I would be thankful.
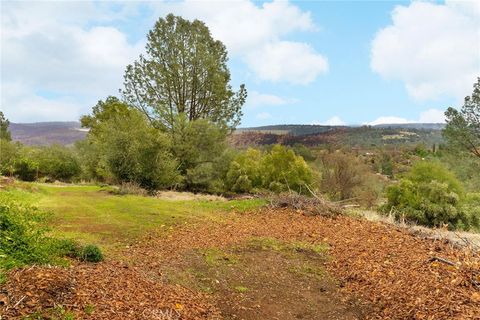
(91, 253)
(277, 170)
(24, 238)
(344, 177)
(430, 195)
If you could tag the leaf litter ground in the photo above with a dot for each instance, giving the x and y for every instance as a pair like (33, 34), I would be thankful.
(211, 270)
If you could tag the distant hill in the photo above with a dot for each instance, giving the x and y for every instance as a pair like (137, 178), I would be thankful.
(306, 129)
(366, 136)
(293, 129)
(46, 133)
(419, 126)
(66, 133)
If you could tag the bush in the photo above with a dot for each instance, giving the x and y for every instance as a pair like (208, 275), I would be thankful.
(91, 253)
(133, 151)
(58, 163)
(22, 235)
(244, 173)
(345, 177)
(278, 170)
(26, 169)
(429, 195)
(9, 153)
(282, 170)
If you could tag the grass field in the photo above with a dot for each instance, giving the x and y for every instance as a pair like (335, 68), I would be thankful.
(90, 214)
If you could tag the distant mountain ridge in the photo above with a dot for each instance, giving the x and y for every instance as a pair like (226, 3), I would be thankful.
(47, 133)
(306, 129)
(67, 133)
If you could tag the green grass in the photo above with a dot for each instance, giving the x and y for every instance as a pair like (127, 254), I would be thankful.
(216, 257)
(91, 215)
(266, 243)
(241, 289)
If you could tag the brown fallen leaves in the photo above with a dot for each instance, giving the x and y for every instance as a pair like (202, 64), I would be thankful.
(386, 268)
(112, 290)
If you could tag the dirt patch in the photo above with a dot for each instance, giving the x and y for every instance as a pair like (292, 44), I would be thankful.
(265, 279)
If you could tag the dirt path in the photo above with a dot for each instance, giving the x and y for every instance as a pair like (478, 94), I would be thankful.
(266, 265)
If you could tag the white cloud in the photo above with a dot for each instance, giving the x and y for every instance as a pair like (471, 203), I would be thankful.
(432, 116)
(74, 52)
(388, 120)
(433, 48)
(263, 116)
(257, 99)
(58, 64)
(294, 62)
(333, 121)
(254, 33)
(427, 116)
(29, 107)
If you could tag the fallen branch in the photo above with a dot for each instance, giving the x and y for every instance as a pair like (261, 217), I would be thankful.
(19, 301)
(442, 260)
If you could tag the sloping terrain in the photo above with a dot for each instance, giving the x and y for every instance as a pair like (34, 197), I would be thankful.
(46, 133)
(265, 264)
(66, 133)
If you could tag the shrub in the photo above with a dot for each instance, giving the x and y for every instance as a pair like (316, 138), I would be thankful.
(91, 253)
(22, 235)
(303, 151)
(429, 195)
(278, 170)
(244, 173)
(26, 169)
(9, 152)
(58, 163)
(132, 151)
(282, 170)
(346, 177)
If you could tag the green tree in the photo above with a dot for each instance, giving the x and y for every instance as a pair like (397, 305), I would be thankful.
(4, 124)
(104, 111)
(463, 127)
(128, 148)
(184, 71)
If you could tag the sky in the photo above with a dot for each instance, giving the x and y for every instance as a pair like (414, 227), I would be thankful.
(303, 62)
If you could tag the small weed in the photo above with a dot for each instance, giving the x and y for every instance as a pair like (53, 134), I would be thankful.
(56, 313)
(321, 248)
(3, 277)
(91, 253)
(216, 257)
(308, 270)
(266, 244)
(241, 289)
(297, 246)
(88, 309)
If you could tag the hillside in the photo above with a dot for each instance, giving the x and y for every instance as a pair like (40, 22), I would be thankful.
(46, 133)
(65, 133)
(313, 135)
